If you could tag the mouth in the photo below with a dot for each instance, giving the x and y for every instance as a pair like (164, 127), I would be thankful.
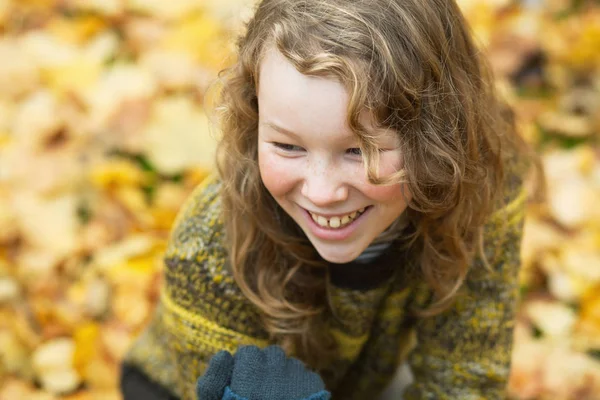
(337, 221)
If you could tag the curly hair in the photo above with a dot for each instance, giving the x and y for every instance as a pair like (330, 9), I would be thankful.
(413, 66)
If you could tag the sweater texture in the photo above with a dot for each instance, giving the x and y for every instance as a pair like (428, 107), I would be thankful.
(462, 353)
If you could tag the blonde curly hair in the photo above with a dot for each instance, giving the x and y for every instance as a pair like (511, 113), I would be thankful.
(413, 66)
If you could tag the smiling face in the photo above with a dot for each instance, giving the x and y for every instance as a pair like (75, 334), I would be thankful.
(310, 162)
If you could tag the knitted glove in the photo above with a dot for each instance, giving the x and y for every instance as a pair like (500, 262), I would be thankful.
(211, 385)
(257, 374)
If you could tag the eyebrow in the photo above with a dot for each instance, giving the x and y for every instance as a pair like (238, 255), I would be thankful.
(288, 132)
(293, 134)
(281, 130)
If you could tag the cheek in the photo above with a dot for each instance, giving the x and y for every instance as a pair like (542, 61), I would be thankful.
(387, 194)
(277, 174)
(393, 194)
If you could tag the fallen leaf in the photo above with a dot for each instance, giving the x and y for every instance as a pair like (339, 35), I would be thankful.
(53, 364)
(553, 318)
(18, 73)
(172, 10)
(178, 137)
(109, 8)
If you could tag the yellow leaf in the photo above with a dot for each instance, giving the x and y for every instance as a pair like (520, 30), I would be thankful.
(117, 173)
(85, 338)
(76, 30)
(173, 9)
(134, 200)
(143, 264)
(553, 318)
(118, 253)
(119, 84)
(4, 10)
(50, 224)
(104, 7)
(178, 136)
(195, 176)
(584, 51)
(590, 309)
(203, 38)
(79, 74)
(53, 364)
(131, 308)
(5, 139)
(116, 339)
(174, 69)
(163, 219)
(19, 73)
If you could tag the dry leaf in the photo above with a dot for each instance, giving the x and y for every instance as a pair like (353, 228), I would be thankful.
(173, 9)
(18, 390)
(9, 289)
(129, 308)
(83, 80)
(553, 318)
(53, 364)
(36, 119)
(15, 355)
(144, 34)
(178, 137)
(173, 70)
(119, 84)
(86, 347)
(203, 38)
(18, 72)
(134, 245)
(116, 340)
(109, 8)
(48, 224)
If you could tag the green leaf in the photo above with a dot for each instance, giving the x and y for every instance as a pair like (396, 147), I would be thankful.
(594, 353)
(84, 213)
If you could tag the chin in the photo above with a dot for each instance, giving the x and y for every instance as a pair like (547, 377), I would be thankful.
(337, 257)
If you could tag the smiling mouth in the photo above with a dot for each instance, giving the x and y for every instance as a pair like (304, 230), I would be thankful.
(338, 221)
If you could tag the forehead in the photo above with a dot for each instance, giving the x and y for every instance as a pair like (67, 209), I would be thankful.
(311, 106)
(298, 99)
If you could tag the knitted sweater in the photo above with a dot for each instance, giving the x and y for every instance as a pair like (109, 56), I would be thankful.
(463, 353)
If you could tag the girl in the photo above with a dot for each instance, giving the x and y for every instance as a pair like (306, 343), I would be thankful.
(367, 210)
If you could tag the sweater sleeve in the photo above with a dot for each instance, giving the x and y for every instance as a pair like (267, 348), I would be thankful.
(201, 309)
(465, 352)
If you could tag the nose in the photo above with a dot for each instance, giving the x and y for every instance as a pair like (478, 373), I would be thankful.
(324, 188)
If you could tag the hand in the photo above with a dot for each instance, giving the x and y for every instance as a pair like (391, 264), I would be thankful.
(211, 385)
(259, 374)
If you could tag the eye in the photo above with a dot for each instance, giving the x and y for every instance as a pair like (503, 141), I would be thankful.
(355, 151)
(287, 147)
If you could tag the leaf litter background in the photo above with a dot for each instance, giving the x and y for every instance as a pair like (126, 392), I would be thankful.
(103, 135)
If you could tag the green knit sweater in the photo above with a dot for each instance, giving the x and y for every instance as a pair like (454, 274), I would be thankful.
(463, 353)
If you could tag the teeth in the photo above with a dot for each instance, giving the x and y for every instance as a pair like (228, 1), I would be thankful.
(322, 221)
(336, 222)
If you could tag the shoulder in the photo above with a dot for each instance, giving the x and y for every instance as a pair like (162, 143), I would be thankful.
(197, 275)
(504, 226)
(498, 259)
(197, 251)
(198, 226)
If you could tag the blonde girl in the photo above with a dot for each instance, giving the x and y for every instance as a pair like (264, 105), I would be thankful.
(367, 209)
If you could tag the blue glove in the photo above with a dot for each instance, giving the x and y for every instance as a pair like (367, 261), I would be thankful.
(257, 374)
(211, 385)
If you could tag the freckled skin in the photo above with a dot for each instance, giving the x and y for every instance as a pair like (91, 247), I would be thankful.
(316, 171)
